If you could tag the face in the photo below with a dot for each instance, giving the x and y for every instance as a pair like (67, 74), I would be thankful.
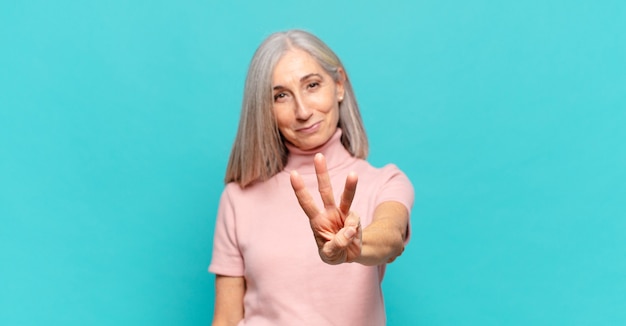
(306, 100)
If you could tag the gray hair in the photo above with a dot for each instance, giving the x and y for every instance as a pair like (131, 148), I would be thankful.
(259, 152)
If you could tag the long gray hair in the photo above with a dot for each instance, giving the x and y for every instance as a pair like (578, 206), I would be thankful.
(259, 152)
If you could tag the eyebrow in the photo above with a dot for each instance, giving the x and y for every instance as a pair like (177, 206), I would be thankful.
(301, 80)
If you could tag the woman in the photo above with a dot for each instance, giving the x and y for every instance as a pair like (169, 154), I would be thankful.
(301, 130)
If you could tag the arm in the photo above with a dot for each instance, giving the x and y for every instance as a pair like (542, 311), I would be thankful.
(383, 240)
(229, 293)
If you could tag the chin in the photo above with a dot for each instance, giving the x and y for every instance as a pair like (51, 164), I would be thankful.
(315, 144)
(313, 141)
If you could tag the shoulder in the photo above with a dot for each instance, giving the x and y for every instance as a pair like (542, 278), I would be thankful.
(391, 171)
(391, 175)
(231, 190)
(233, 194)
(388, 183)
(386, 173)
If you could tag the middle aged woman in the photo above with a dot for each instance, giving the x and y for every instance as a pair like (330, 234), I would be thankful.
(300, 129)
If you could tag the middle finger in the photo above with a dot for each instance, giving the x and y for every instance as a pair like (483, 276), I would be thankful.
(323, 181)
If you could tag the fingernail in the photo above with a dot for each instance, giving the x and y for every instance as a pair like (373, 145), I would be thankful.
(350, 232)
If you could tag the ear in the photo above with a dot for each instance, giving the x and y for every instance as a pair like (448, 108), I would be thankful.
(341, 80)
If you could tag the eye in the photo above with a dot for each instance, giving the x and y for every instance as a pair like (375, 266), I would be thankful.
(313, 85)
(279, 96)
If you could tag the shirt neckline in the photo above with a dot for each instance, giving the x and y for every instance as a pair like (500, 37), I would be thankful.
(333, 150)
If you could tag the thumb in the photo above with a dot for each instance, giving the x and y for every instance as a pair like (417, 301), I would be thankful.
(352, 220)
(343, 238)
(349, 233)
(336, 247)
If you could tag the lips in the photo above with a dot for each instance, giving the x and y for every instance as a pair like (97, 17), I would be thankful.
(310, 129)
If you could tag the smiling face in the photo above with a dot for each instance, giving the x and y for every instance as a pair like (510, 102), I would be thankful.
(306, 100)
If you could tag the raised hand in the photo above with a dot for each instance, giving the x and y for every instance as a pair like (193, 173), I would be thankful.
(336, 229)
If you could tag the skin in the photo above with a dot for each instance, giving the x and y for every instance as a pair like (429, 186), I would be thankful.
(306, 100)
(229, 293)
(337, 230)
(306, 107)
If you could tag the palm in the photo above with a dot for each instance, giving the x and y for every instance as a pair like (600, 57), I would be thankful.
(337, 230)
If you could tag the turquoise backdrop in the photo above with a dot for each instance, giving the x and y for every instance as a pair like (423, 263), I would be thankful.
(117, 117)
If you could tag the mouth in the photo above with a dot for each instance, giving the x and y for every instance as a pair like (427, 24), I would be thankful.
(309, 129)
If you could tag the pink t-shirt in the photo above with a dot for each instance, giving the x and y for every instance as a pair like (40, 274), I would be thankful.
(263, 235)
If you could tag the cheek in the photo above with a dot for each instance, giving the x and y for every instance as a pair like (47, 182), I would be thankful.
(322, 102)
(283, 117)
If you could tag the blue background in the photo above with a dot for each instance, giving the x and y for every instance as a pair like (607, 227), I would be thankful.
(117, 117)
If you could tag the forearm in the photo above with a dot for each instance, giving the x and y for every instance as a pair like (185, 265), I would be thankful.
(229, 293)
(383, 240)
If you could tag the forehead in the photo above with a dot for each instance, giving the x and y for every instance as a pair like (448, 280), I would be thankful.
(295, 64)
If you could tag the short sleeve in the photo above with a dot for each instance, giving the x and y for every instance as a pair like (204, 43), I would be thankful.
(395, 186)
(226, 258)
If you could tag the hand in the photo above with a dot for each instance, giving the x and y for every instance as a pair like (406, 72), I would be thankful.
(337, 230)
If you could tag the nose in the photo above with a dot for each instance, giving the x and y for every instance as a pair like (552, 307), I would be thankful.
(303, 113)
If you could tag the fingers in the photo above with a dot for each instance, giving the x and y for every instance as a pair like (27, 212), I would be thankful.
(323, 181)
(348, 193)
(325, 189)
(335, 251)
(304, 198)
(353, 220)
(345, 246)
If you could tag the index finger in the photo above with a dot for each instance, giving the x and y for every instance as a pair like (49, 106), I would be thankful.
(304, 198)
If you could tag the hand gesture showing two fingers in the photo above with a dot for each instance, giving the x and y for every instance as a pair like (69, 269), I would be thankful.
(336, 229)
